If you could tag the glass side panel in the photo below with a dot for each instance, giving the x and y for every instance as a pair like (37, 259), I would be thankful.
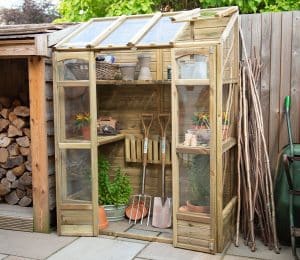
(162, 32)
(90, 32)
(76, 175)
(125, 31)
(194, 183)
(73, 69)
(193, 66)
(229, 179)
(228, 115)
(193, 124)
(75, 117)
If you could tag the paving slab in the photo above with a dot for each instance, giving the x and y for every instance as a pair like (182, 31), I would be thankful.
(31, 245)
(2, 256)
(12, 257)
(91, 248)
(232, 257)
(262, 252)
(162, 251)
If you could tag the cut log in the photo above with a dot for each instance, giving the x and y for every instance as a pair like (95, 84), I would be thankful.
(3, 189)
(29, 192)
(4, 113)
(25, 201)
(21, 186)
(14, 131)
(16, 103)
(13, 161)
(14, 184)
(22, 111)
(12, 116)
(26, 179)
(26, 132)
(3, 124)
(20, 193)
(23, 141)
(19, 170)
(28, 166)
(5, 141)
(19, 123)
(10, 176)
(13, 149)
(12, 198)
(2, 173)
(3, 155)
(6, 183)
(5, 102)
(25, 151)
(29, 157)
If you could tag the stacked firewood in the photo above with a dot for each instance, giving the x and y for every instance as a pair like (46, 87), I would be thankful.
(15, 155)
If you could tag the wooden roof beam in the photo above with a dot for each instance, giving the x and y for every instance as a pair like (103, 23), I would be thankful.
(186, 15)
(229, 27)
(227, 11)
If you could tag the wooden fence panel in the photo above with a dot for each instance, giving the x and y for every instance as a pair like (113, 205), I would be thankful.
(276, 38)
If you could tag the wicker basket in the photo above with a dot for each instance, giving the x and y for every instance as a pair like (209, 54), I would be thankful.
(106, 70)
(79, 70)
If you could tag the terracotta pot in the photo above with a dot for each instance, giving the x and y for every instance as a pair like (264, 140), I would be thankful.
(86, 132)
(197, 208)
(103, 223)
(135, 211)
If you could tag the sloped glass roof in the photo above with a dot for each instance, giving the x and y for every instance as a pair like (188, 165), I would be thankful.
(162, 32)
(90, 32)
(155, 29)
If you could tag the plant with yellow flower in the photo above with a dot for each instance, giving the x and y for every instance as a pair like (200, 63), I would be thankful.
(82, 119)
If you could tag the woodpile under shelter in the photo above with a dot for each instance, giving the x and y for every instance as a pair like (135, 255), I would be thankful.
(27, 164)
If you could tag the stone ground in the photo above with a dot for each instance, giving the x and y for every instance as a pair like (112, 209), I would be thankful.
(16, 245)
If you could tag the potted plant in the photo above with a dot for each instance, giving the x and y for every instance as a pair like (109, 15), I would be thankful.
(199, 178)
(114, 193)
(201, 123)
(82, 121)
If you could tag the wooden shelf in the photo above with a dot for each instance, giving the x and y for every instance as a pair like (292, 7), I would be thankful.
(133, 82)
(110, 139)
(227, 145)
(192, 82)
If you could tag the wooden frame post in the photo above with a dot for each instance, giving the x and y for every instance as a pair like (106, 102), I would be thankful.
(38, 126)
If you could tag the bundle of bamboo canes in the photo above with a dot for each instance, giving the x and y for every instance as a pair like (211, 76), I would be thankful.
(256, 212)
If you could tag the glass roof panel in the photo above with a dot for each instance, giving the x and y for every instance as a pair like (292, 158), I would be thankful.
(90, 32)
(123, 34)
(162, 32)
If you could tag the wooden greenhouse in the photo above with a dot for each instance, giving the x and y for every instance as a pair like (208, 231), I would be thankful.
(192, 75)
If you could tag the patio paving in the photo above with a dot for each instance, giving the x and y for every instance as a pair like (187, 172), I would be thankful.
(89, 248)
(16, 245)
(31, 245)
